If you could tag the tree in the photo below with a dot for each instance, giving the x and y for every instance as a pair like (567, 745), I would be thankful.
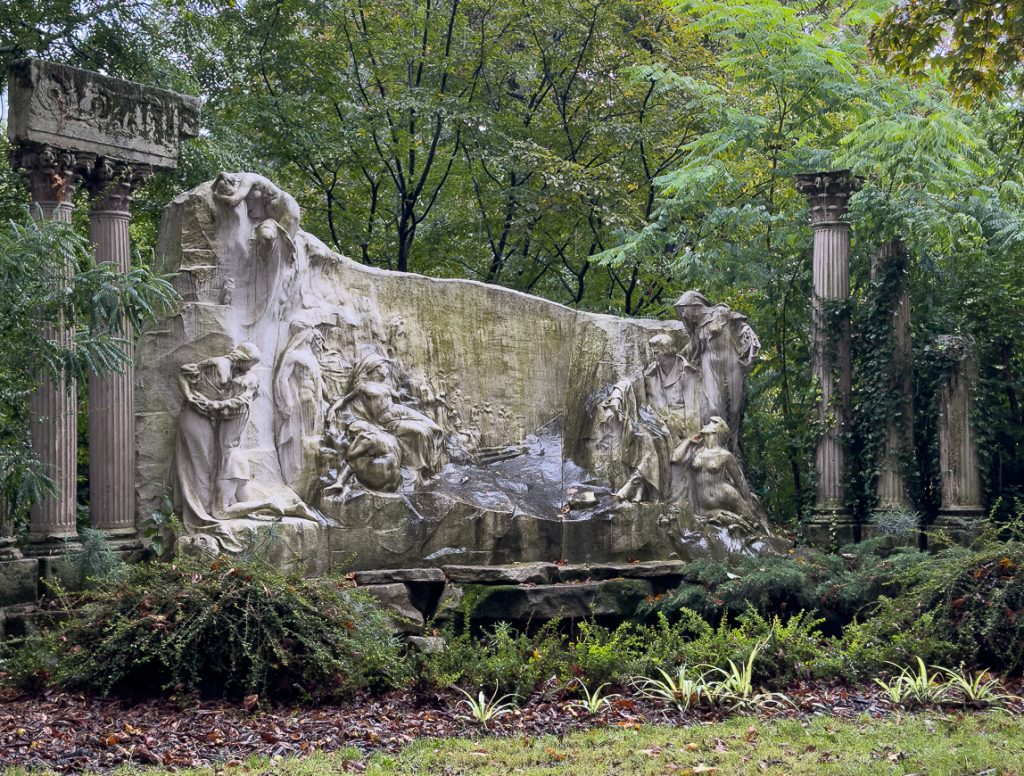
(978, 42)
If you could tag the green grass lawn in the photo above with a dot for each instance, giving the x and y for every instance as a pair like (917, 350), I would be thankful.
(990, 744)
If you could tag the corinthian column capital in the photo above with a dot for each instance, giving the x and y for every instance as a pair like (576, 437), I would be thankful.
(828, 195)
(112, 184)
(52, 177)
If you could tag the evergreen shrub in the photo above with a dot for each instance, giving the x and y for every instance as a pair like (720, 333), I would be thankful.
(226, 628)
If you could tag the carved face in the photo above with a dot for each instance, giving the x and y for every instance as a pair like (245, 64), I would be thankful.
(716, 427)
(225, 184)
(662, 347)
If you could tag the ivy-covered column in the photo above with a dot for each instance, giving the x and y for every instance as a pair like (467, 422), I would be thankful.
(961, 513)
(828, 195)
(53, 408)
(111, 185)
(889, 268)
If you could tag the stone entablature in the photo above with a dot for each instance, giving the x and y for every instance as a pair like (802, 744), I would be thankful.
(81, 111)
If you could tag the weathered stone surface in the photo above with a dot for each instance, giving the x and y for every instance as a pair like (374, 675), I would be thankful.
(426, 422)
(531, 573)
(547, 602)
(19, 581)
(645, 570)
(394, 598)
(289, 544)
(82, 111)
(427, 645)
(387, 576)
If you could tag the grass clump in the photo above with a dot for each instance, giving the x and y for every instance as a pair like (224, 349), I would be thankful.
(223, 628)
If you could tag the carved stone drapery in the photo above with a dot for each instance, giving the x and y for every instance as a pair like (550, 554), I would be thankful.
(52, 178)
(111, 186)
(828, 195)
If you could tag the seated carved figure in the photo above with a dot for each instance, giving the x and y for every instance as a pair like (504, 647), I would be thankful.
(717, 488)
(369, 413)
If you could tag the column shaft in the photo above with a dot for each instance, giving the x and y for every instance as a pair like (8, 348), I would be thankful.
(112, 396)
(899, 431)
(958, 449)
(831, 359)
(827, 195)
(53, 408)
(112, 405)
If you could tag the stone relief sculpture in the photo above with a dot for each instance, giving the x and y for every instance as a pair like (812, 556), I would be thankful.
(654, 411)
(395, 420)
(300, 396)
(369, 413)
(723, 348)
(652, 414)
(715, 482)
(210, 472)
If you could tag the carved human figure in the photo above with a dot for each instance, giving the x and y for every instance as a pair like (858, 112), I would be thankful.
(267, 252)
(716, 486)
(211, 479)
(372, 399)
(723, 347)
(210, 468)
(299, 402)
(655, 410)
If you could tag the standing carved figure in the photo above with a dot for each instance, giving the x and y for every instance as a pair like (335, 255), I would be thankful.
(299, 402)
(655, 410)
(724, 348)
(210, 468)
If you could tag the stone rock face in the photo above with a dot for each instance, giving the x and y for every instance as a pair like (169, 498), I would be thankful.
(394, 421)
(610, 598)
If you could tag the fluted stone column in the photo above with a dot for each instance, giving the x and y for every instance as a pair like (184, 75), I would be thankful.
(899, 431)
(111, 397)
(962, 512)
(828, 194)
(53, 408)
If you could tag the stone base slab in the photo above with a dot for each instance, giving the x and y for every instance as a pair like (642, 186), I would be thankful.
(19, 581)
(828, 530)
(961, 527)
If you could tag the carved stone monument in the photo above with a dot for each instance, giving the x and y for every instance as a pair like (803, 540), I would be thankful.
(349, 417)
(72, 127)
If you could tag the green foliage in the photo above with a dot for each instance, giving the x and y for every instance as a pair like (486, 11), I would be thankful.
(93, 560)
(483, 709)
(683, 689)
(97, 301)
(595, 701)
(513, 662)
(227, 628)
(977, 42)
(956, 606)
(914, 687)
